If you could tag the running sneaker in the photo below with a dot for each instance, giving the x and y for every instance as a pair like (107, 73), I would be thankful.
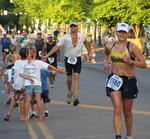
(33, 116)
(51, 85)
(118, 136)
(75, 102)
(7, 118)
(69, 98)
(46, 115)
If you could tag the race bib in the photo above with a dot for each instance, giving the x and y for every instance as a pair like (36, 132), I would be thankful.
(115, 82)
(6, 50)
(72, 60)
(51, 60)
(40, 53)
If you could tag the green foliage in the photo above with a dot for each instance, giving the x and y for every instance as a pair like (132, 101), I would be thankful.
(107, 12)
(110, 12)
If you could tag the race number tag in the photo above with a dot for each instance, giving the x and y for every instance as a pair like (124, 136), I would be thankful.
(40, 53)
(51, 60)
(6, 50)
(115, 82)
(72, 60)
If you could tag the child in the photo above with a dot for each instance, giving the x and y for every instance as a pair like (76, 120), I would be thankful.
(17, 84)
(93, 54)
(45, 91)
(32, 70)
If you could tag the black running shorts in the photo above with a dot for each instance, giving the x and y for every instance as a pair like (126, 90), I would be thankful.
(128, 88)
(70, 68)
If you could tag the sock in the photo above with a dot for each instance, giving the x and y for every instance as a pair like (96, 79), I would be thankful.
(33, 112)
(75, 97)
(128, 137)
(46, 111)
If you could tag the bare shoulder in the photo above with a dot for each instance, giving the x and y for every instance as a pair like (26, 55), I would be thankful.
(134, 47)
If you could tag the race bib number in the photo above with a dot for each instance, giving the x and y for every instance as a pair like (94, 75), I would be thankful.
(51, 60)
(72, 60)
(115, 82)
(6, 50)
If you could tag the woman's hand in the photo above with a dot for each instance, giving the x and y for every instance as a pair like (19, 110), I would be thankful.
(106, 66)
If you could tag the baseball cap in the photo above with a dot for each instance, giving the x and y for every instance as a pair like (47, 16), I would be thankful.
(73, 23)
(25, 33)
(39, 32)
(56, 32)
(122, 27)
(49, 36)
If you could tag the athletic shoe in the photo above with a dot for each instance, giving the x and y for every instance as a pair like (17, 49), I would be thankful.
(7, 118)
(75, 102)
(46, 115)
(69, 98)
(33, 116)
(51, 85)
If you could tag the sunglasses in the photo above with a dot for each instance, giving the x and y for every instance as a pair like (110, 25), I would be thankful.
(39, 33)
(73, 25)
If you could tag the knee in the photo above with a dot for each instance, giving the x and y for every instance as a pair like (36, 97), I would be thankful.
(127, 113)
(76, 77)
(118, 111)
(69, 80)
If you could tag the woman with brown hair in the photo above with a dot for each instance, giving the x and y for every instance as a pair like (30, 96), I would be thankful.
(121, 84)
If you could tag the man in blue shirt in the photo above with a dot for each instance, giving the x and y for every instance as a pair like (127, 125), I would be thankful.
(5, 42)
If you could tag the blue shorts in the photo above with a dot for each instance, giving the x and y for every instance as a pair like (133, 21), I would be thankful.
(33, 88)
(45, 96)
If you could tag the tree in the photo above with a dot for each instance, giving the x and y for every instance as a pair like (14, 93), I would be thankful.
(135, 12)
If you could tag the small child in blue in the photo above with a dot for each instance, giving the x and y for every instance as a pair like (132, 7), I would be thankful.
(45, 91)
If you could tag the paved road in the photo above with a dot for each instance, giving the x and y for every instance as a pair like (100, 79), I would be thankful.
(92, 119)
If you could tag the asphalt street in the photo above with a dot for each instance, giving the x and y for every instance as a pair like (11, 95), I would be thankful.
(92, 119)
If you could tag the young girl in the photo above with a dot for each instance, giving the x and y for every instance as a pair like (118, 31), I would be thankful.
(31, 70)
(17, 84)
(7, 68)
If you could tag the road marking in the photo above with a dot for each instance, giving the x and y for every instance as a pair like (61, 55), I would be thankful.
(31, 131)
(140, 112)
(44, 130)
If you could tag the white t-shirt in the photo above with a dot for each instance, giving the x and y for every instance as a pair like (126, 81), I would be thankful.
(33, 69)
(14, 41)
(9, 74)
(18, 82)
(69, 49)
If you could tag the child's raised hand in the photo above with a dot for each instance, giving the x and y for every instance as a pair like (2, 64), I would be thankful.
(61, 70)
